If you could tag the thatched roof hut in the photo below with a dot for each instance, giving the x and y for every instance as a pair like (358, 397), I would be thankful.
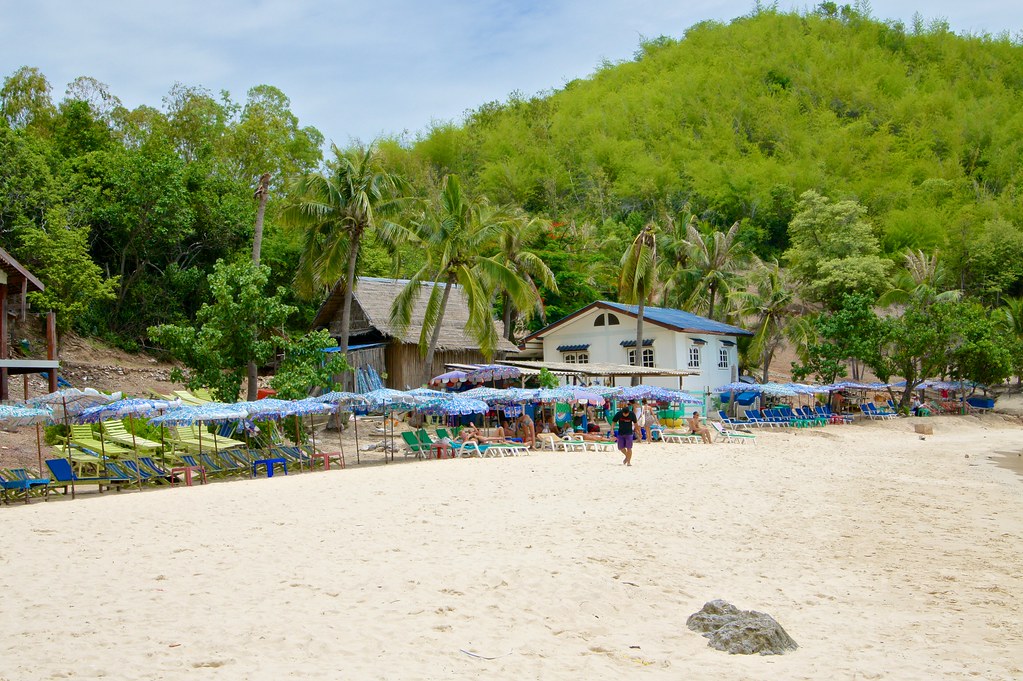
(375, 341)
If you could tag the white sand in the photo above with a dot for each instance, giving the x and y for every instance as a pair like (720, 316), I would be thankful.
(884, 556)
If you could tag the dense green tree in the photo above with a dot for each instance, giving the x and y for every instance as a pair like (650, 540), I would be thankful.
(58, 254)
(241, 324)
(305, 366)
(833, 249)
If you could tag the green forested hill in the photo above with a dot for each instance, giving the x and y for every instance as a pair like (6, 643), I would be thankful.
(922, 127)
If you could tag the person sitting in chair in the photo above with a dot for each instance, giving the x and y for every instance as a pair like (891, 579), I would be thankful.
(696, 427)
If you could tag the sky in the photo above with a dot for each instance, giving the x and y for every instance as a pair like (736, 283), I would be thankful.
(359, 70)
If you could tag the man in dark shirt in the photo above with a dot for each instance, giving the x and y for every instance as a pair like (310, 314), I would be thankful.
(626, 419)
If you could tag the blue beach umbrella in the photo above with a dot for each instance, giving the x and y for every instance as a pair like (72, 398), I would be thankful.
(17, 416)
(127, 407)
(345, 399)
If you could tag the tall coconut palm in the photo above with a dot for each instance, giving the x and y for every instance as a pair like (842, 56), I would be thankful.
(771, 307)
(454, 232)
(638, 279)
(713, 265)
(531, 268)
(334, 209)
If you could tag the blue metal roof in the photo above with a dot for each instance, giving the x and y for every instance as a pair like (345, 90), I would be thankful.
(683, 321)
(647, 342)
(574, 348)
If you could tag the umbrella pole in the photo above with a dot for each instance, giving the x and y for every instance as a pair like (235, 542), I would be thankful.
(298, 445)
(135, 446)
(67, 422)
(312, 435)
(39, 448)
(340, 440)
(355, 427)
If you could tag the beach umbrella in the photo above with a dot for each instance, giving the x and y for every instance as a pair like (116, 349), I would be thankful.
(451, 379)
(427, 393)
(209, 412)
(485, 393)
(127, 407)
(491, 372)
(385, 400)
(309, 407)
(17, 416)
(457, 406)
(344, 399)
(72, 401)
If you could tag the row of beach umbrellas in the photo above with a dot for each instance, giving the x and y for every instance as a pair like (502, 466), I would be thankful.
(91, 406)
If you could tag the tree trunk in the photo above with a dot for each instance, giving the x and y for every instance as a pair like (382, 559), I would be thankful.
(713, 293)
(435, 335)
(639, 340)
(346, 309)
(768, 356)
(510, 317)
(262, 194)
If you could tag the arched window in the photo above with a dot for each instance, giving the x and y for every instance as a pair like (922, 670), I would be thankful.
(599, 321)
(612, 320)
(583, 358)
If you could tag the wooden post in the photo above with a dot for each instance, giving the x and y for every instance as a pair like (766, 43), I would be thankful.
(51, 346)
(4, 393)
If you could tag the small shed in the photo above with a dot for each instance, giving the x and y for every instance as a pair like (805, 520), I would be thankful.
(394, 355)
(14, 278)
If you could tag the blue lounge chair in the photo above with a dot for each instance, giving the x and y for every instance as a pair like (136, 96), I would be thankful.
(64, 477)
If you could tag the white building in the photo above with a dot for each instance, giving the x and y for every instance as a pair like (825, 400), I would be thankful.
(605, 332)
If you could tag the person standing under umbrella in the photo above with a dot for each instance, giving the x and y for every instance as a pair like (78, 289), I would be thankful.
(626, 420)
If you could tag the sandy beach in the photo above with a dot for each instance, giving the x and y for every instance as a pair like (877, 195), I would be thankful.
(884, 555)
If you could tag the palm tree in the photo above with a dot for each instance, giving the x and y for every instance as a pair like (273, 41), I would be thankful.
(921, 280)
(453, 233)
(334, 209)
(713, 266)
(638, 279)
(770, 304)
(512, 252)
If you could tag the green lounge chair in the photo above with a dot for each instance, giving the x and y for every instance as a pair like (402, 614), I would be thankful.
(83, 436)
(114, 431)
(413, 447)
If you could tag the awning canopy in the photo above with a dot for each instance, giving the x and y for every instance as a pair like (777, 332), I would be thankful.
(647, 342)
(574, 348)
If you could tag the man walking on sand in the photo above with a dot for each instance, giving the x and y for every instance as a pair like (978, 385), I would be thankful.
(626, 419)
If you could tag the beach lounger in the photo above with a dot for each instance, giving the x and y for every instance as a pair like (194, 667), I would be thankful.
(554, 443)
(728, 421)
(82, 436)
(413, 447)
(19, 482)
(733, 436)
(681, 438)
(63, 476)
(114, 431)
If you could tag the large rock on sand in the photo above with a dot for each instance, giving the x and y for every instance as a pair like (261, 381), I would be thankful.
(743, 632)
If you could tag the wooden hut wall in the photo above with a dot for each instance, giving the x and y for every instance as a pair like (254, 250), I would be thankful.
(405, 365)
(360, 359)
